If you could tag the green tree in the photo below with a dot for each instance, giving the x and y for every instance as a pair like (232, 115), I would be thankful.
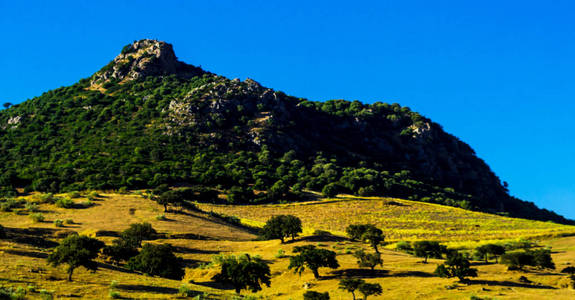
(456, 265)
(313, 258)
(313, 295)
(169, 198)
(244, 272)
(542, 259)
(120, 251)
(368, 289)
(428, 249)
(330, 190)
(517, 260)
(374, 236)
(569, 270)
(7, 104)
(355, 231)
(282, 226)
(366, 233)
(368, 260)
(138, 232)
(76, 251)
(484, 251)
(157, 260)
(350, 285)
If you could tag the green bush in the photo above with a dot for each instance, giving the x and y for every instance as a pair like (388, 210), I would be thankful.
(37, 217)
(58, 223)
(32, 207)
(313, 295)
(64, 202)
(186, 291)
(2, 232)
(157, 260)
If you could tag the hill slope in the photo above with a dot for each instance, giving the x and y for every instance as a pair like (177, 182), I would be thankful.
(146, 119)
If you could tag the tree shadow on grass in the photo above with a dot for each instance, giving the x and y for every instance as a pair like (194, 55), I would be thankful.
(510, 284)
(147, 288)
(214, 285)
(186, 250)
(363, 273)
(31, 236)
(27, 253)
(412, 274)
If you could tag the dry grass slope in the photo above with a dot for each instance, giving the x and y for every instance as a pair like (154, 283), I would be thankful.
(198, 237)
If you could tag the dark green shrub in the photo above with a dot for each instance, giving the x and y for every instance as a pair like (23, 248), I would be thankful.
(157, 260)
(244, 272)
(76, 251)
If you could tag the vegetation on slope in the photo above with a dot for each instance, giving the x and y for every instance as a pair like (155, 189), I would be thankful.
(147, 119)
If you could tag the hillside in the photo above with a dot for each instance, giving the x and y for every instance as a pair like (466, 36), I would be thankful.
(198, 236)
(147, 119)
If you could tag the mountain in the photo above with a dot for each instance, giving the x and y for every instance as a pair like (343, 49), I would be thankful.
(147, 119)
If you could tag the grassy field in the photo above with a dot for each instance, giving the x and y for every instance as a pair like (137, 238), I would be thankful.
(399, 219)
(198, 236)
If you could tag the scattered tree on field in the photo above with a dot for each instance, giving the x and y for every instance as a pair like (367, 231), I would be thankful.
(350, 285)
(313, 258)
(428, 249)
(368, 289)
(138, 232)
(494, 250)
(456, 265)
(366, 233)
(244, 272)
(76, 251)
(313, 295)
(282, 226)
(157, 260)
(368, 260)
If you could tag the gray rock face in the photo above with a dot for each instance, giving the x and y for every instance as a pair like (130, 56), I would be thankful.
(145, 58)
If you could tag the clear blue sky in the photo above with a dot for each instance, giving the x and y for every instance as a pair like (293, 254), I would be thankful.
(497, 74)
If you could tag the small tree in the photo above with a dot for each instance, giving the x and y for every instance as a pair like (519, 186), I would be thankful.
(120, 251)
(517, 260)
(368, 289)
(76, 251)
(568, 270)
(330, 190)
(456, 266)
(374, 236)
(282, 226)
(313, 258)
(351, 285)
(157, 260)
(542, 259)
(2, 232)
(244, 272)
(355, 231)
(484, 251)
(366, 233)
(169, 198)
(293, 226)
(368, 260)
(138, 232)
(313, 295)
(428, 249)
(7, 104)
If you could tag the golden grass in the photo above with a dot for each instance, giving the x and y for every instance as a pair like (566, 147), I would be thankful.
(399, 219)
(403, 276)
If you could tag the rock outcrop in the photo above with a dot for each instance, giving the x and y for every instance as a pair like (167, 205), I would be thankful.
(145, 58)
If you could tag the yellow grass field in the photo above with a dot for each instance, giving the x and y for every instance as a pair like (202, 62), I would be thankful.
(198, 236)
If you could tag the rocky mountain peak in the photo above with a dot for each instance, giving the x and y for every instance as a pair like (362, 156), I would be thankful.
(145, 58)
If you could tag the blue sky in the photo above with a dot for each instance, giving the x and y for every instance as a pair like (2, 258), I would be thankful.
(497, 74)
